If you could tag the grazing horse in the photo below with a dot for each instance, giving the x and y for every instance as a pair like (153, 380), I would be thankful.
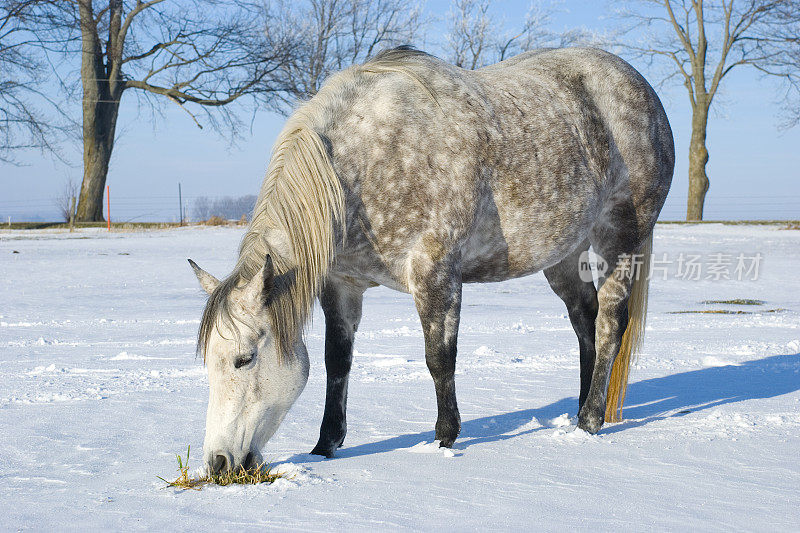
(414, 174)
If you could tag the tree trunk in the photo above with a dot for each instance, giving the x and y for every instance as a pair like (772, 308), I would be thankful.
(102, 90)
(698, 158)
(99, 126)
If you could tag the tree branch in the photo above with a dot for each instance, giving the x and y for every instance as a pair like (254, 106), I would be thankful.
(140, 6)
(183, 97)
(679, 30)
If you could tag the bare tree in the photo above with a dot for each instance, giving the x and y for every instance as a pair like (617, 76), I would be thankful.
(201, 208)
(227, 208)
(198, 54)
(476, 37)
(702, 43)
(22, 121)
(64, 200)
(334, 34)
(471, 33)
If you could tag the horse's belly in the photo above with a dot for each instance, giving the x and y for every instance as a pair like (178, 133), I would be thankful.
(489, 257)
(517, 240)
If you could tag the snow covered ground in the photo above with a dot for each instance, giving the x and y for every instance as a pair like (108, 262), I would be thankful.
(100, 387)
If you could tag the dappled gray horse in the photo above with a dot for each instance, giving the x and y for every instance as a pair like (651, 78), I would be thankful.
(411, 173)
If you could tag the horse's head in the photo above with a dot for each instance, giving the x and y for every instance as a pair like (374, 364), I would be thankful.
(252, 383)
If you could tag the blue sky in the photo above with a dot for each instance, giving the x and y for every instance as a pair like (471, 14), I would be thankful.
(754, 167)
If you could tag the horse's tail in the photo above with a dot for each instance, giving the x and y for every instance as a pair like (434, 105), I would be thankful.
(634, 334)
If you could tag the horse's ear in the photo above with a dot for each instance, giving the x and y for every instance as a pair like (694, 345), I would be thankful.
(207, 281)
(256, 293)
(268, 277)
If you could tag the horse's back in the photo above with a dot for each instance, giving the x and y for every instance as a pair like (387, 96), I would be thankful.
(512, 164)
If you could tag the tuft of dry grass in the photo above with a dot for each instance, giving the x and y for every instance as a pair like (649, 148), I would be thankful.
(725, 312)
(260, 474)
(216, 221)
(735, 301)
(711, 312)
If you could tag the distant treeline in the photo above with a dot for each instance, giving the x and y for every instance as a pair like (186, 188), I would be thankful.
(227, 208)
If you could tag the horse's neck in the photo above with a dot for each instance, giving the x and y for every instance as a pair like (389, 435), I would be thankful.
(277, 245)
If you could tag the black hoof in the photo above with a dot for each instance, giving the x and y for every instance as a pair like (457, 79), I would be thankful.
(590, 423)
(323, 450)
(329, 440)
(447, 432)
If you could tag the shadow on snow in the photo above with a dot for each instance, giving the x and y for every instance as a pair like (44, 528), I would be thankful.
(649, 400)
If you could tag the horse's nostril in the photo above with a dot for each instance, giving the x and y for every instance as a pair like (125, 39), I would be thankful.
(253, 460)
(220, 464)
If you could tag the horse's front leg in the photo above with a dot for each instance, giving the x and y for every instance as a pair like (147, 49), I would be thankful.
(436, 288)
(341, 303)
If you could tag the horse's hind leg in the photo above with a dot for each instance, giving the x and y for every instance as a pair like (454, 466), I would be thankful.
(341, 303)
(436, 287)
(614, 289)
(580, 297)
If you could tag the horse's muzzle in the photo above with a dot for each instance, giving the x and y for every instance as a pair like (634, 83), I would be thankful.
(220, 461)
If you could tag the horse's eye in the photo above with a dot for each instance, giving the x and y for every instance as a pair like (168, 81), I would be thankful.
(243, 360)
